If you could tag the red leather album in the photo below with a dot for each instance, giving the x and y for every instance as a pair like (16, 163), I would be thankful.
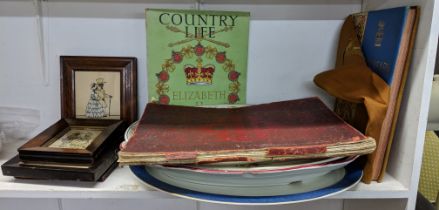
(303, 128)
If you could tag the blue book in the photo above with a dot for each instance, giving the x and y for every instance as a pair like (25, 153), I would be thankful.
(382, 40)
(387, 37)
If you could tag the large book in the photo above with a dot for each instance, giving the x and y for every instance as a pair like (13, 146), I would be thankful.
(197, 57)
(387, 38)
(295, 129)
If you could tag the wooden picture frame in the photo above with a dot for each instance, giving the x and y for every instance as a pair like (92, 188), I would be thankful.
(73, 142)
(98, 102)
(99, 88)
(97, 172)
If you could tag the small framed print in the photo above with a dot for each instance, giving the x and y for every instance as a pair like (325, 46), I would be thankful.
(102, 88)
(72, 141)
(75, 137)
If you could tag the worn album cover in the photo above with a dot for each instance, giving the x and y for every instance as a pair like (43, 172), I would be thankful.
(294, 129)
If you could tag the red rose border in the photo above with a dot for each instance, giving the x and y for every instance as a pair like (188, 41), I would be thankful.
(162, 88)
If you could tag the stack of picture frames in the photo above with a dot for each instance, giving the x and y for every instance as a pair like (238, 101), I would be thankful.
(98, 102)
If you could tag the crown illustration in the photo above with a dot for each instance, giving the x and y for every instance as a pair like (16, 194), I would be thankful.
(199, 75)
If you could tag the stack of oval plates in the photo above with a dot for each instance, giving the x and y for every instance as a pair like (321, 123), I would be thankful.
(264, 183)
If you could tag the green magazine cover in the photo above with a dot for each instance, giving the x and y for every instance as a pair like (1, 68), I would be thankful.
(197, 57)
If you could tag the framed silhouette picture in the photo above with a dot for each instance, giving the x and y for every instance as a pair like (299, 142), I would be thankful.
(102, 88)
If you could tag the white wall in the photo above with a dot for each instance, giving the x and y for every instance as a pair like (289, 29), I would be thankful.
(284, 55)
(288, 46)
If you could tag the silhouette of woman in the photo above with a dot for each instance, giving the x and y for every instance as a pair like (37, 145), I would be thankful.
(97, 104)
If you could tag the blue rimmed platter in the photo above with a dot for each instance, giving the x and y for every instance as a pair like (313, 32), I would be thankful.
(351, 175)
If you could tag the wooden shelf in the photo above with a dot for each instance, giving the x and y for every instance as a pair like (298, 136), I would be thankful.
(123, 184)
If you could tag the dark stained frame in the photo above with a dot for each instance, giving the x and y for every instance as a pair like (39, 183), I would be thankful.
(37, 148)
(127, 66)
